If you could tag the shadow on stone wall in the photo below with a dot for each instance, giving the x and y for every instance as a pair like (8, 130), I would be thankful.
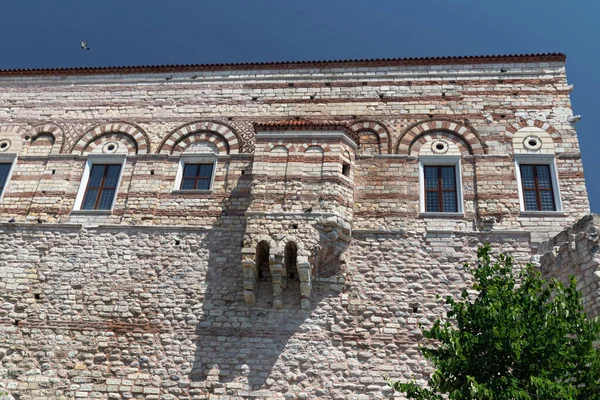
(237, 345)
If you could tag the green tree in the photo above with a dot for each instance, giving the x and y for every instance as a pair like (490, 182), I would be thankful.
(512, 338)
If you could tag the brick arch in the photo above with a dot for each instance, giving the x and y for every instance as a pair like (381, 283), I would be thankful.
(428, 137)
(231, 137)
(324, 146)
(16, 135)
(195, 137)
(265, 238)
(471, 139)
(291, 238)
(136, 134)
(57, 133)
(512, 128)
(375, 127)
(271, 145)
(128, 141)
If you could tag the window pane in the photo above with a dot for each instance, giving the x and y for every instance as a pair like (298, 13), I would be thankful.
(432, 202)
(547, 200)
(106, 199)
(450, 202)
(527, 176)
(530, 200)
(112, 176)
(189, 171)
(203, 184)
(187, 184)
(431, 177)
(206, 170)
(543, 173)
(448, 178)
(4, 168)
(90, 199)
(96, 176)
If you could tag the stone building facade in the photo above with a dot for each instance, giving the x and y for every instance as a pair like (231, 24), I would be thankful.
(270, 231)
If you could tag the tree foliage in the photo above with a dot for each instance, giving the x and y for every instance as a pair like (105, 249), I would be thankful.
(516, 337)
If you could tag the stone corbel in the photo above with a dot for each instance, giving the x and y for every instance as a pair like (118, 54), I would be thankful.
(304, 272)
(250, 276)
(277, 275)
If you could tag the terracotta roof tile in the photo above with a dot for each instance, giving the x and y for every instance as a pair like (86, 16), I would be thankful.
(356, 63)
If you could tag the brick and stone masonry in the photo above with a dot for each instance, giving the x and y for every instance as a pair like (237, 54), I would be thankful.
(306, 267)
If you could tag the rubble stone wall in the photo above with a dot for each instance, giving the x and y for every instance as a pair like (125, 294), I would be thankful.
(575, 252)
(113, 312)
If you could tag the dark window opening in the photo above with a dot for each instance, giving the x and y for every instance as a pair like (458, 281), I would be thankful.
(101, 187)
(196, 176)
(538, 193)
(346, 169)
(440, 189)
(262, 262)
(290, 261)
(4, 170)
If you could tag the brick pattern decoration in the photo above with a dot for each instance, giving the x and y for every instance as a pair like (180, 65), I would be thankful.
(127, 140)
(196, 137)
(57, 133)
(428, 137)
(471, 139)
(512, 128)
(376, 128)
(171, 143)
(138, 137)
(16, 136)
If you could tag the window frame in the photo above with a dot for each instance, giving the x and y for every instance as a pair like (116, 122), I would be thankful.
(7, 158)
(195, 159)
(440, 186)
(441, 161)
(114, 159)
(197, 177)
(538, 159)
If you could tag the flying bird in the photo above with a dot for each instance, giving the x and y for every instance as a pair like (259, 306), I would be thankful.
(84, 45)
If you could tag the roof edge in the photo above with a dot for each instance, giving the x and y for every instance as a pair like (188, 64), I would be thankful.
(357, 63)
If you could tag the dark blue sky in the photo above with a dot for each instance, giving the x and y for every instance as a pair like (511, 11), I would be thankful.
(133, 32)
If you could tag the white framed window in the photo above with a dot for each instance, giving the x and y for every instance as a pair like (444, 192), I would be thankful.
(537, 182)
(7, 164)
(440, 181)
(196, 173)
(100, 183)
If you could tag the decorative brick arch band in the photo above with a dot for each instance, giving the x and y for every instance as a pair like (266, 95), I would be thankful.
(15, 136)
(231, 138)
(128, 141)
(268, 147)
(413, 133)
(138, 137)
(429, 137)
(50, 129)
(324, 146)
(183, 143)
(512, 128)
(376, 128)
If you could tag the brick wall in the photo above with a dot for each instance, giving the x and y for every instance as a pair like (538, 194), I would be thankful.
(305, 270)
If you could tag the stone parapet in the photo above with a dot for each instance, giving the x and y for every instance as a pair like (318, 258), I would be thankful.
(576, 252)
